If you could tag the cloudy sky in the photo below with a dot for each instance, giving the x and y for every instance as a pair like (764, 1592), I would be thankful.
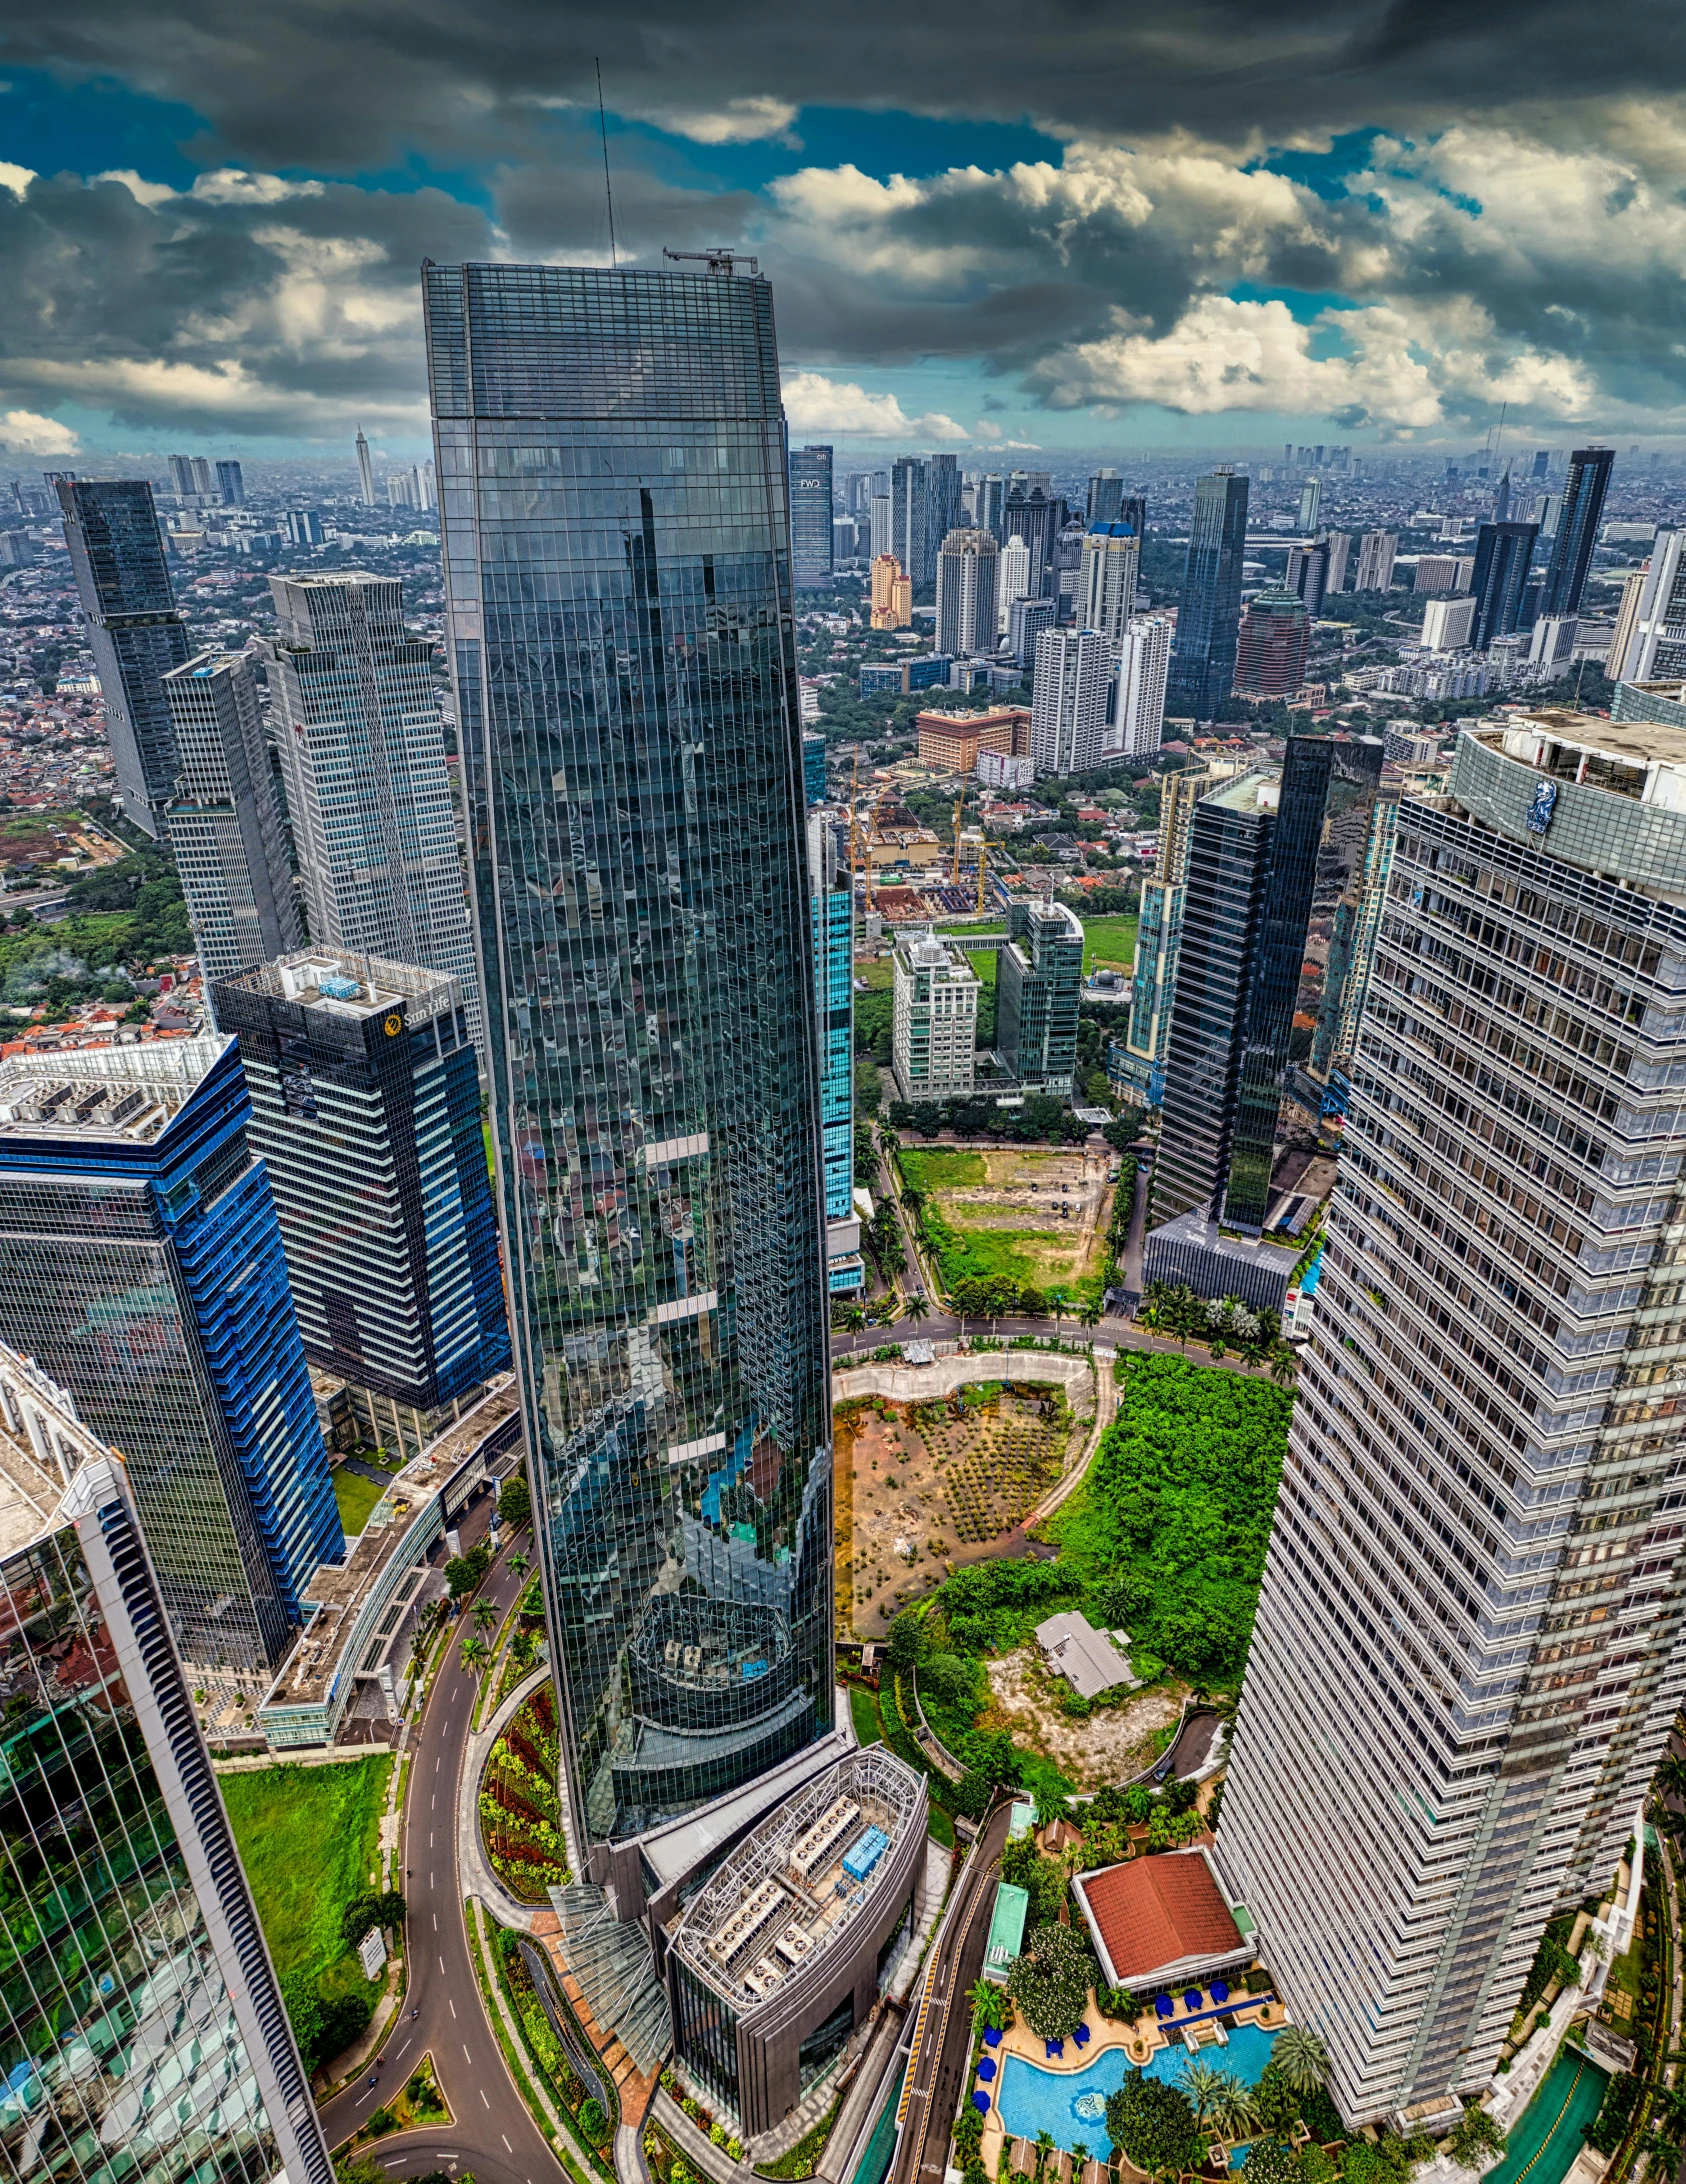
(1078, 224)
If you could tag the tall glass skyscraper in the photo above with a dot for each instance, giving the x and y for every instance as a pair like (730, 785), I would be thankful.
(612, 490)
(134, 629)
(363, 756)
(141, 1265)
(1577, 529)
(1503, 552)
(810, 515)
(1203, 659)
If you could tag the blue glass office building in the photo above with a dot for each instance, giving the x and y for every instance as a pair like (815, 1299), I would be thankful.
(613, 502)
(1209, 617)
(141, 1265)
(834, 982)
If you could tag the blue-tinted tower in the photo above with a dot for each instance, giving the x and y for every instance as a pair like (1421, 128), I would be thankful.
(1577, 529)
(135, 632)
(1209, 616)
(834, 980)
(141, 1265)
(613, 502)
(810, 516)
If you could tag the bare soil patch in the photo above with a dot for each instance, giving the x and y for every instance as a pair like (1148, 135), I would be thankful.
(1113, 1744)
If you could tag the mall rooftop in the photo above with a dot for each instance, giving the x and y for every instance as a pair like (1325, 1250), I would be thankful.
(791, 1890)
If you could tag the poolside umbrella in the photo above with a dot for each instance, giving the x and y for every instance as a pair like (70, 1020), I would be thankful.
(1081, 2036)
(1053, 2047)
(1163, 2006)
(992, 2037)
(980, 2101)
(1192, 1998)
(986, 2068)
(1218, 1991)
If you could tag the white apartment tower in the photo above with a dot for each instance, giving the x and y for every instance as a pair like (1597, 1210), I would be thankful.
(1014, 579)
(363, 758)
(1468, 1648)
(1376, 550)
(1649, 641)
(1068, 720)
(968, 619)
(934, 1032)
(1106, 580)
(1144, 664)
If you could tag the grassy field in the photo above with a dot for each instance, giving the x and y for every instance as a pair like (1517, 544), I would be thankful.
(878, 976)
(863, 1707)
(967, 925)
(941, 1170)
(992, 1225)
(1111, 941)
(356, 1497)
(309, 1839)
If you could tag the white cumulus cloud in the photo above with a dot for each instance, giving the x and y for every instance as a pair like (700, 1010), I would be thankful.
(22, 432)
(814, 403)
(15, 178)
(739, 121)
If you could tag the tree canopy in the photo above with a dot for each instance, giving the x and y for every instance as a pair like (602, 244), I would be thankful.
(1152, 2123)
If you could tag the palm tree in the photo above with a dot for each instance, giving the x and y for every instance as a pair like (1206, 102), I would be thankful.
(1671, 1777)
(1301, 2058)
(916, 1308)
(1059, 1300)
(1089, 1312)
(1202, 2083)
(1284, 1365)
(519, 1565)
(485, 1615)
(1230, 2112)
(476, 1655)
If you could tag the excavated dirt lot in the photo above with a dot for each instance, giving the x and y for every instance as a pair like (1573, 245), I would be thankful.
(1113, 1744)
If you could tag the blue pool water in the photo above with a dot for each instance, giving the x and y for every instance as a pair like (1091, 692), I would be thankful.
(1070, 2105)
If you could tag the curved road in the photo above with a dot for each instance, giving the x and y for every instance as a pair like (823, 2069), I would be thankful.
(492, 2134)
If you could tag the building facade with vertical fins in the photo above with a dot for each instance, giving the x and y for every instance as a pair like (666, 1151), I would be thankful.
(224, 821)
(833, 910)
(141, 1264)
(1039, 974)
(1476, 1559)
(135, 632)
(366, 1111)
(1209, 617)
(810, 516)
(619, 601)
(362, 751)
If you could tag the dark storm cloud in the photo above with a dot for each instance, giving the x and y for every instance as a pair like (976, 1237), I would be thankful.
(350, 83)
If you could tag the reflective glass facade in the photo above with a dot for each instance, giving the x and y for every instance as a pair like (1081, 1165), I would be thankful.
(1209, 618)
(142, 2036)
(611, 463)
(134, 631)
(810, 514)
(834, 978)
(1577, 529)
(147, 1276)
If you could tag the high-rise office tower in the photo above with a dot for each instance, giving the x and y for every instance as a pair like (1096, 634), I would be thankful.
(1039, 974)
(1032, 513)
(910, 523)
(1641, 646)
(143, 2013)
(181, 476)
(943, 508)
(968, 618)
(1577, 529)
(204, 478)
(1501, 499)
(934, 1019)
(224, 821)
(366, 1112)
(231, 485)
(1203, 661)
(892, 594)
(1448, 622)
(1311, 500)
(1106, 588)
(1475, 1561)
(1376, 551)
(365, 472)
(1502, 554)
(1014, 579)
(1270, 649)
(141, 1265)
(1144, 665)
(1341, 562)
(134, 631)
(1068, 729)
(881, 533)
(810, 516)
(303, 527)
(1626, 627)
(1026, 621)
(1106, 497)
(400, 493)
(1542, 461)
(625, 673)
(1308, 575)
(1275, 878)
(989, 499)
(368, 791)
(832, 915)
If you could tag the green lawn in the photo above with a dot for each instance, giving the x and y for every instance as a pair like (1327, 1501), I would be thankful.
(309, 1839)
(993, 1255)
(1109, 940)
(941, 1170)
(863, 1708)
(356, 1497)
(983, 925)
(983, 961)
(878, 976)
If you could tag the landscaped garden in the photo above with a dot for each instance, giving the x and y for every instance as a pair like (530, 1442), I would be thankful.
(309, 1839)
(520, 1815)
(357, 1498)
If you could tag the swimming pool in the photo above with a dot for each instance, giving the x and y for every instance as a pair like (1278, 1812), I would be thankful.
(1070, 2105)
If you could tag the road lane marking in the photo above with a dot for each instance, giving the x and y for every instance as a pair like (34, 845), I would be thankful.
(401, 2050)
(467, 2058)
(436, 1922)
(453, 2006)
(441, 1967)
(508, 2148)
(486, 2103)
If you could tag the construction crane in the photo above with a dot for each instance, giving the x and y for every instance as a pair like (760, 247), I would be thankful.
(954, 867)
